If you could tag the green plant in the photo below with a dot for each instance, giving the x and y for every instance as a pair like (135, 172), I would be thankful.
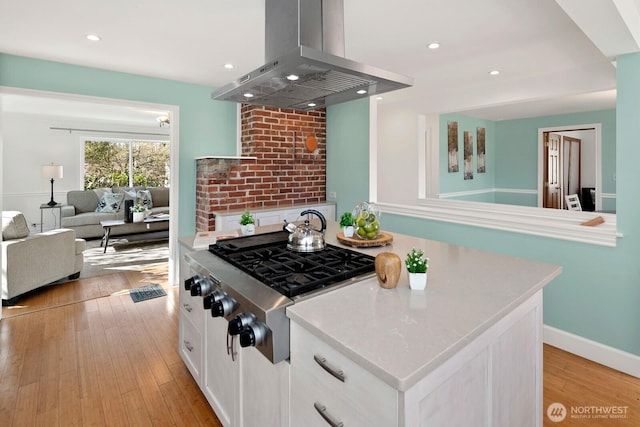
(346, 219)
(138, 208)
(416, 262)
(246, 218)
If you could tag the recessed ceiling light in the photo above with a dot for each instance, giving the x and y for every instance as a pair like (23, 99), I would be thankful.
(292, 77)
(248, 95)
(433, 45)
(311, 104)
(228, 66)
(494, 72)
(361, 92)
(93, 37)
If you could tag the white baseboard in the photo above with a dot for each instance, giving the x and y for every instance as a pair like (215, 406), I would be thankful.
(594, 351)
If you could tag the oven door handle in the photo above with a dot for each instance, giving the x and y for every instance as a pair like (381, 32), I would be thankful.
(230, 346)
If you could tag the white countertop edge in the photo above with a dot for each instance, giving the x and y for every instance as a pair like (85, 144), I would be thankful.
(403, 384)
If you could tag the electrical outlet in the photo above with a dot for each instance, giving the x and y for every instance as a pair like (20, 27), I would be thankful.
(332, 194)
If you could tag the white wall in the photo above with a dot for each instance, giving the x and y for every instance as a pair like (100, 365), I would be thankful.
(29, 143)
(397, 155)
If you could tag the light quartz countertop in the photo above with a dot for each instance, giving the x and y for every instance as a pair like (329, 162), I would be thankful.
(401, 335)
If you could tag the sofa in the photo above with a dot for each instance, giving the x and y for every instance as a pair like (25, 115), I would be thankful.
(30, 261)
(86, 208)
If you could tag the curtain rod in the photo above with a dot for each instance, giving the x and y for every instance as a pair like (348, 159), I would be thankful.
(108, 131)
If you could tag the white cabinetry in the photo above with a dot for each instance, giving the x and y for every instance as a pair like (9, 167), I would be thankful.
(222, 374)
(496, 380)
(231, 221)
(352, 396)
(191, 323)
(246, 390)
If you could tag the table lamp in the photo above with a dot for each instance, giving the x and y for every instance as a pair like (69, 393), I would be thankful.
(52, 172)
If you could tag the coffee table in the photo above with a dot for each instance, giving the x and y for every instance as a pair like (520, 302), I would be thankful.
(136, 227)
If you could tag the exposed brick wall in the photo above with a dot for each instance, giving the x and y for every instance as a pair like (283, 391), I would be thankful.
(285, 172)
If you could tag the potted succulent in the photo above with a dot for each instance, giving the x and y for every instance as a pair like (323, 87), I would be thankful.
(138, 212)
(346, 222)
(417, 266)
(247, 224)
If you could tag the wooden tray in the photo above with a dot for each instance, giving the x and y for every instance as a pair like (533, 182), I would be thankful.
(382, 240)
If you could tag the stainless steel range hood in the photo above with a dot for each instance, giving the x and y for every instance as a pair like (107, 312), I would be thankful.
(306, 68)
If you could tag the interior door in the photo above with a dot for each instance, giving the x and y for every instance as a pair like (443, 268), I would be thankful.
(571, 165)
(552, 184)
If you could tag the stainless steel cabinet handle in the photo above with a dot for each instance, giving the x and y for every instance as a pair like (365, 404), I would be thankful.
(188, 307)
(188, 345)
(322, 410)
(323, 363)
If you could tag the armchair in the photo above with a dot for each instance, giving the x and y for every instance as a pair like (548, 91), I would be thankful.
(30, 261)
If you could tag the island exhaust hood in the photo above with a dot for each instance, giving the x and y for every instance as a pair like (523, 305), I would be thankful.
(306, 68)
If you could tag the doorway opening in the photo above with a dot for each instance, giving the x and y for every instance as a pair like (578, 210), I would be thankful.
(569, 165)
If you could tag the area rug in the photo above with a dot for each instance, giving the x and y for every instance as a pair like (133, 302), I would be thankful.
(147, 292)
(122, 255)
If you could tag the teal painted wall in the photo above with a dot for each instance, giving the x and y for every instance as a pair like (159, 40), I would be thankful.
(512, 155)
(454, 181)
(517, 147)
(206, 127)
(598, 294)
(348, 153)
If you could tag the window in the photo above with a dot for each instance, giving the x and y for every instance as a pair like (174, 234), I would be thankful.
(125, 163)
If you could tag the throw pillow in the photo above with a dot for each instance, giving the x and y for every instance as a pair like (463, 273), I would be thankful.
(144, 198)
(14, 225)
(109, 202)
(128, 194)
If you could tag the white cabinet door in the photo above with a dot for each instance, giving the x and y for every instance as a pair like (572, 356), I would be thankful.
(221, 373)
(269, 218)
(227, 222)
(264, 390)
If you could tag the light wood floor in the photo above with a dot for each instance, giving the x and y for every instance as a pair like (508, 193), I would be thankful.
(111, 362)
(105, 362)
(587, 386)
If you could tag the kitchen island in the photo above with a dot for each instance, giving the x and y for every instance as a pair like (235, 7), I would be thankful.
(466, 351)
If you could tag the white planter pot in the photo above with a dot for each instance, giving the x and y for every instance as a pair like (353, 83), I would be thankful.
(417, 281)
(138, 216)
(347, 231)
(248, 230)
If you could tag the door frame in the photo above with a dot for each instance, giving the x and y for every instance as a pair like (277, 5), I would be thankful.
(597, 127)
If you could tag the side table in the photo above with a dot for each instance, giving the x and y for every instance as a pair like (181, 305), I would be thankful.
(56, 206)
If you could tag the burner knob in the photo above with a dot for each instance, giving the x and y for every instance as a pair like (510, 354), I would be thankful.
(190, 282)
(241, 321)
(213, 297)
(203, 286)
(253, 334)
(223, 307)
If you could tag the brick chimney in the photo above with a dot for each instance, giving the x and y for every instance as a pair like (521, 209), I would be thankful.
(285, 165)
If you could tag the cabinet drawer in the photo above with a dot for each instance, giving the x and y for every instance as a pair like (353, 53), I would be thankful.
(361, 395)
(190, 346)
(191, 308)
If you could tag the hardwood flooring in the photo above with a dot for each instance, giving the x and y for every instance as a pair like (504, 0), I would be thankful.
(106, 362)
(109, 361)
(589, 392)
